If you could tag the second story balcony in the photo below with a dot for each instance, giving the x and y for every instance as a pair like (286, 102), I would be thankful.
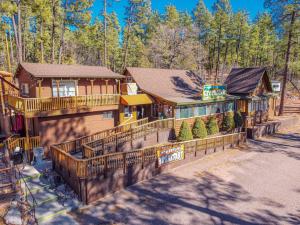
(59, 105)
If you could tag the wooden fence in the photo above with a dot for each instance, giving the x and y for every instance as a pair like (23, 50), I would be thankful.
(103, 145)
(77, 144)
(28, 105)
(101, 165)
(22, 142)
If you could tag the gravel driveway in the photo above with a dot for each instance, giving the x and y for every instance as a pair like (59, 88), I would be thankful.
(256, 185)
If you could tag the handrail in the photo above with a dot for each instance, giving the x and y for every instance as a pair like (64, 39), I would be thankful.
(27, 189)
(83, 168)
(92, 148)
(76, 145)
(27, 105)
(23, 142)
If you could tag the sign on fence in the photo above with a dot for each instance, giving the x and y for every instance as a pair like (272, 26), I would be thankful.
(171, 154)
(212, 92)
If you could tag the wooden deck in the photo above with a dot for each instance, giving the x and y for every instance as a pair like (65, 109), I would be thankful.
(31, 107)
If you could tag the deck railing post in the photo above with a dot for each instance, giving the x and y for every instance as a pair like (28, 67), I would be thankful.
(124, 162)
(105, 166)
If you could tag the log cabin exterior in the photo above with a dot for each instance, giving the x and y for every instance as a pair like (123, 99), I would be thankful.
(62, 102)
(177, 94)
(257, 101)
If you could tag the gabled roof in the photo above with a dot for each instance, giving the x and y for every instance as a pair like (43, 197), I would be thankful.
(246, 80)
(39, 70)
(176, 86)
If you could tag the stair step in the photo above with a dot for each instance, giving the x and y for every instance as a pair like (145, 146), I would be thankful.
(43, 197)
(51, 210)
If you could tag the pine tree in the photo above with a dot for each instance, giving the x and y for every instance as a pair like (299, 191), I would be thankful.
(238, 119)
(228, 122)
(199, 129)
(185, 133)
(212, 126)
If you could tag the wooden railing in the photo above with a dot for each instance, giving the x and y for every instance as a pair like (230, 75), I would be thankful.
(27, 105)
(76, 145)
(103, 145)
(23, 142)
(101, 165)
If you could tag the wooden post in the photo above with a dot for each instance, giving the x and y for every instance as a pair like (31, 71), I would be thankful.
(76, 94)
(57, 86)
(1, 98)
(116, 149)
(196, 146)
(92, 86)
(223, 143)
(40, 88)
(106, 86)
(131, 139)
(143, 158)
(105, 166)
(119, 86)
(124, 162)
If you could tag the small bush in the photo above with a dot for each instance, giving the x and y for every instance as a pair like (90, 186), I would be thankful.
(199, 129)
(212, 126)
(228, 123)
(185, 133)
(238, 119)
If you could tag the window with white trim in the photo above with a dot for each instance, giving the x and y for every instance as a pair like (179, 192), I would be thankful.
(25, 89)
(66, 88)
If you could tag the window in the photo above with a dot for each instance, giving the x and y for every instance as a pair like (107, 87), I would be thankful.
(214, 108)
(127, 111)
(24, 89)
(229, 107)
(108, 115)
(200, 110)
(66, 88)
(184, 112)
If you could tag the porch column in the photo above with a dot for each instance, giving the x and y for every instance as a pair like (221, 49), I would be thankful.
(92, 86)
(40, 88)
(106, 86)
(57, 86)
(76, 94)
(119, 86)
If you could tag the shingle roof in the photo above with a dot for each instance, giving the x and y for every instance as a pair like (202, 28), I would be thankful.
(245, 80)
(176, 86)
(68, 71)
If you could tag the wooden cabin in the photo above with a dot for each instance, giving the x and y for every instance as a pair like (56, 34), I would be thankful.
(252, 85)
(179, 94)
(61, 102)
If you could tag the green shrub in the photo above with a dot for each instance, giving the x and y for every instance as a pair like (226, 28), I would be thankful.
(212, 126)
(185, 133)
(238, 119)
(228, 122)
(199, 129)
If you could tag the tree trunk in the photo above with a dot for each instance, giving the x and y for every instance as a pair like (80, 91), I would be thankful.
(126, 49)
(287, 60)
(16, 36)
(20, 49)
(105, 30)
(62, 37)
(53, 32)
(42, 43)
(11, 48)
(219, 51)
